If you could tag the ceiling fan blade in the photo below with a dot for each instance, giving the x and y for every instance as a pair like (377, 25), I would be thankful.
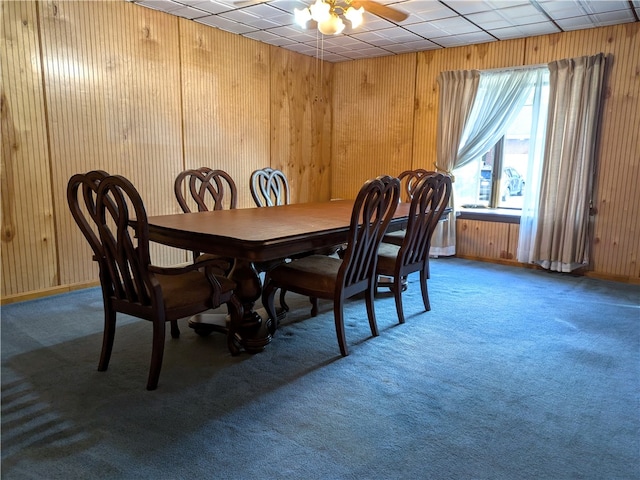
(380, 10)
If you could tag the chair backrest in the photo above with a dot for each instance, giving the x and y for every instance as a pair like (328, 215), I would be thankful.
(82, 190)
(373, 209)
(430, 199)
(269, 187)
(124, 233)
(207, 190)
(408, 181)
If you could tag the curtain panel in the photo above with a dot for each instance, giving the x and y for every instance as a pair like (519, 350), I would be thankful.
(457, 93)
(561, 239)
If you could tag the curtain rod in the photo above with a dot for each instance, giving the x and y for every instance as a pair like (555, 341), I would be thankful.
(516, 67)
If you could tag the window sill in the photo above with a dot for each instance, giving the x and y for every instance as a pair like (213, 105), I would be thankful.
(486, 214)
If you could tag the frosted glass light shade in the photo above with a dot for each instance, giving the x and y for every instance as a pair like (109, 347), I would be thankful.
(302, 16)
(320, 11)
(354, 15)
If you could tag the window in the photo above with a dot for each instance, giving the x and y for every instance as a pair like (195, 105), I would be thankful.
(497, 179)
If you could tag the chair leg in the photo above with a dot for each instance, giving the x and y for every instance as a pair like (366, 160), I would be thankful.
(371, 312)
(268, 294)
(424, 274)
(397, 293)
(107, 338)
(236, 312)
(175, 330)
(314, 306)
(283, 303)
(157, 352)
(339, 320)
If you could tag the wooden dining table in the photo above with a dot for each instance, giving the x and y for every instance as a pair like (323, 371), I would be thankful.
(259, 236)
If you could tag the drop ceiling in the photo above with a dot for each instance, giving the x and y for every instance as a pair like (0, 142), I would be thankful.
(430, 25)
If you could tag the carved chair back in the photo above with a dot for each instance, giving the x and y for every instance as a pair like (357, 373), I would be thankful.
(430, 199)
(373, 209)
(269, 187)
(205, 189)
(82, 189)
(124, 233)
(408, 181)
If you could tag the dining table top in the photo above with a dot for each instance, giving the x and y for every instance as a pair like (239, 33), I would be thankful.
(262, 233)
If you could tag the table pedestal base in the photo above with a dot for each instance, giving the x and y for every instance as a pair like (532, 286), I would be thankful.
(252, 335)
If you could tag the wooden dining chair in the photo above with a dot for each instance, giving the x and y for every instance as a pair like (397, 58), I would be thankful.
(337, 279)
(430, 199)
(270, 187)
(202, 190)
(112, 217)
(408, 181)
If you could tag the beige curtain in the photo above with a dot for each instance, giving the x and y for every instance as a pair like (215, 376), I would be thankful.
(561, 238)
(457, 93)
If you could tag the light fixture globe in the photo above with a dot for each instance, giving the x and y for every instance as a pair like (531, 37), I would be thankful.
(302, 16)
(332, 26)
(320, 11)
(354, 15)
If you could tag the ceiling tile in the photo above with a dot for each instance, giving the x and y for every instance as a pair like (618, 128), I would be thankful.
(463, 39)
(210, 6)
(164, 5)
(189, 12)
(270, 38)
(225, 24)
(454, 26)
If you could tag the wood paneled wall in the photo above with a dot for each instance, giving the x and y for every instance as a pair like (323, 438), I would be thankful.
(225, 98)
(115, 86)
(301, 119)
(373, 128)
(130, 90)
(29, 241)
(487, 240)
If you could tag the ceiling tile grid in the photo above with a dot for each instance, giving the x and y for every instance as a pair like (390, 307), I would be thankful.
(430, 24)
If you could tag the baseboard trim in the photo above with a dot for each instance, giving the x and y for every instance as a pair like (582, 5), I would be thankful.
(46, 292)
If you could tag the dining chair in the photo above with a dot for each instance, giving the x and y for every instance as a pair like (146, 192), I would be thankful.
(430, 199)
(270, 187)
(337, 279)
(408, 181)
(111, 215)
(202, 190)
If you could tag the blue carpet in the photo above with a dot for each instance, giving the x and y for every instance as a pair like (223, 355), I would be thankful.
(513, 374)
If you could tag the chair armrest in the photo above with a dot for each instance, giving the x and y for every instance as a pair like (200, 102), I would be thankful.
(215, 265)
(211, 269)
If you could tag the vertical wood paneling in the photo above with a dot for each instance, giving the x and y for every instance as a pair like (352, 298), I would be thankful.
(373, 120)
(301, 123)
(477, 239)
(111, 75)
(512, 242)
(27, 232)
(225, 91)
(617, 196)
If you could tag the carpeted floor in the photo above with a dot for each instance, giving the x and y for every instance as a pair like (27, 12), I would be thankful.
(513, 374)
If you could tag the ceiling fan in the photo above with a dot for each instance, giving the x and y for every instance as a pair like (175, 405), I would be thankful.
(370, 6)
